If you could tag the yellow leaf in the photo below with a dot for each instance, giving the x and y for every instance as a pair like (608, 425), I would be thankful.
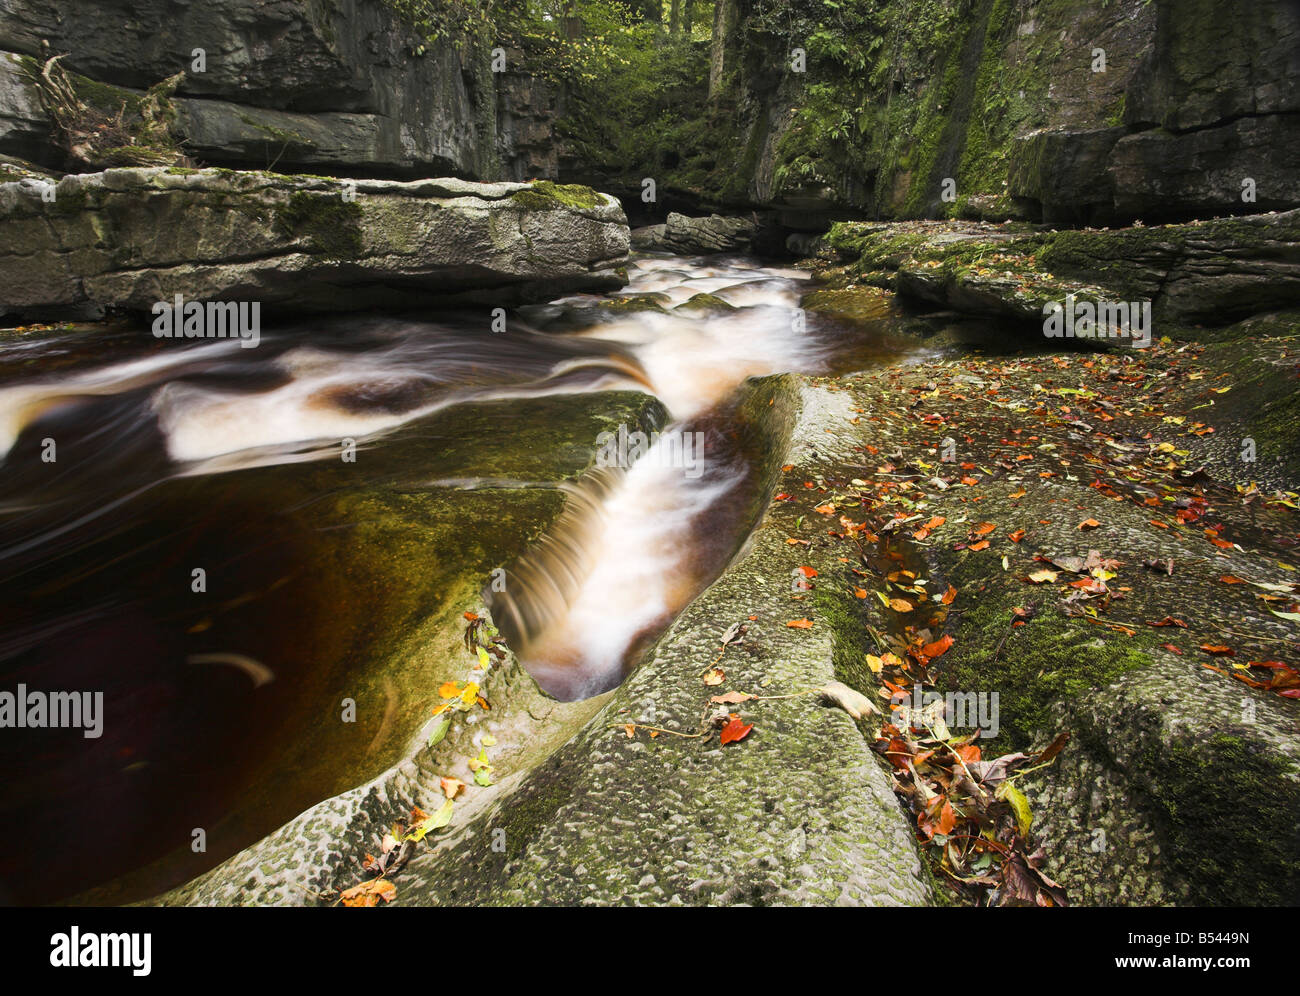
(1019, 806)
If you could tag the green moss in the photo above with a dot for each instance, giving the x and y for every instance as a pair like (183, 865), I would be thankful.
(851, 640)
(331, 225)
(547, 196)
(104, 96)
(1052, 658)
(707, 303)
(629, 305)
(1231, 815)
(855, 305)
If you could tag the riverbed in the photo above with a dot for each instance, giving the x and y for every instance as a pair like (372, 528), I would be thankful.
(186, 551)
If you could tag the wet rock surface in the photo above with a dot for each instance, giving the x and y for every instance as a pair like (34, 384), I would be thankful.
(800, 813)
(1178, 746)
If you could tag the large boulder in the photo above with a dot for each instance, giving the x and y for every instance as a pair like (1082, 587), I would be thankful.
(127, 238)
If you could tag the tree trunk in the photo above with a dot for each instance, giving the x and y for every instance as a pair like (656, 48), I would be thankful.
(726, 14)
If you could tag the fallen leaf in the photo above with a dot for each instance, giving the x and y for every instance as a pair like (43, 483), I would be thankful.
(370, 893)
(938, 648)
(731, 698)
(735, 730)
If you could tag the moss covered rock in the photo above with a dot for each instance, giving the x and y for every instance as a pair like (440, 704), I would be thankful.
(127, 238)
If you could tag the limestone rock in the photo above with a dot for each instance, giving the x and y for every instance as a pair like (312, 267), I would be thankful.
(127, 238)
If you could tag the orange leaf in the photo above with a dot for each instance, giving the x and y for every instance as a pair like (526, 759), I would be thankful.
(449, 689)
(983, 529)
(799, 624)
(735, 730)
(1089, 524)
(938, 648)
(451, 787)
(808, 572)
(370, 893)
(947, 819)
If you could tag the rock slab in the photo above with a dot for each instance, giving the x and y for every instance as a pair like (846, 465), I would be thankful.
(127, 238)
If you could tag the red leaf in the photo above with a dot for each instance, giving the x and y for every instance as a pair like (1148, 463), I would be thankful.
(938, 648)
(735, 730)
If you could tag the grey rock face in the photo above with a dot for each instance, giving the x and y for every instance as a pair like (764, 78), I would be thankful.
(126, 238)
(341, 85)
(706, 235)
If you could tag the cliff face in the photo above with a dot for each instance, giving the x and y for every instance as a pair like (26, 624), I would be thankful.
(348, 87)
(1011, 99)
(1064, 111)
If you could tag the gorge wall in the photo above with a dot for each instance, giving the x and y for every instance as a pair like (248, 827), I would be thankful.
(1062, 111)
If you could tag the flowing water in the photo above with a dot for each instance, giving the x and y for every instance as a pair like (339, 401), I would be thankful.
(171, 454)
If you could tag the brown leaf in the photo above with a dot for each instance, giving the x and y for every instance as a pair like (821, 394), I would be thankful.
(370, 893)
(731, 698)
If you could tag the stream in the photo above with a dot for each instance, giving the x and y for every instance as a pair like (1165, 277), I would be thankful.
(170, 454)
